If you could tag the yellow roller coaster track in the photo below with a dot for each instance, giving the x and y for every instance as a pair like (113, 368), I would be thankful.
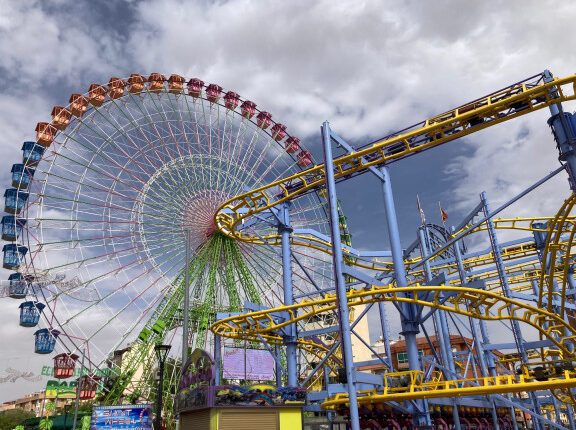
(455, 388)
(443, 128)
(471, 302)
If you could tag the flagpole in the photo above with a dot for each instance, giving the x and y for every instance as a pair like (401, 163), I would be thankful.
(422, 216)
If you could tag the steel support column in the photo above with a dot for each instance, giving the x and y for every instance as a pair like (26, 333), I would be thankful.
(385, 334)
(278, 366)
(570, 414)
(567, 153)
(475, 334)
(409, 320)
(186, 307)
(338, 262)
(290, 339)
(441, 327)
(217, 358)
(496, 251)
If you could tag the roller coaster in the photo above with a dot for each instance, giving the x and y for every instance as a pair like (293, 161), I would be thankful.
(529, 281)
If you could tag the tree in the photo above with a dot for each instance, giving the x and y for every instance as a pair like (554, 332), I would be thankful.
(45, 424)
(11, 418)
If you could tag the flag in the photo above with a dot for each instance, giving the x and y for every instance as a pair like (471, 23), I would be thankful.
(421, 211)
(443, 214)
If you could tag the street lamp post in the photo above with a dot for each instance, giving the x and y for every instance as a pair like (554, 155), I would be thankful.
(161, 355)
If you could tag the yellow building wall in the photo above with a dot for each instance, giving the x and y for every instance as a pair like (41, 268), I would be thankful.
(360, 351)
(214, 415)
(290, 419)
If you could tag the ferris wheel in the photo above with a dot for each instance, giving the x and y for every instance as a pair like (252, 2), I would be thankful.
(101, 207)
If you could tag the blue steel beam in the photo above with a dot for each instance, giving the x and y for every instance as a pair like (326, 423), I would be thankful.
(338, 262)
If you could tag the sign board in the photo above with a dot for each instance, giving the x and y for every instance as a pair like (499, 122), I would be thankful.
(196, 382)
(61, 389)
(251, 364)
(49, 371)
(125, 417)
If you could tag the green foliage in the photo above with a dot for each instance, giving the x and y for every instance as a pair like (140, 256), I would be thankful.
(86, 422)
(45, 424)
(12, 418)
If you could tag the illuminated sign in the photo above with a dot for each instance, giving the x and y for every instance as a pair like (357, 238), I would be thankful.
(251, 364)
(126, 417)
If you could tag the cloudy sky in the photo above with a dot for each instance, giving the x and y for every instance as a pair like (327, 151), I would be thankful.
(368, 67)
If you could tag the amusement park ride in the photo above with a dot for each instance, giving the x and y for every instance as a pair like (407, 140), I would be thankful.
(148, 191)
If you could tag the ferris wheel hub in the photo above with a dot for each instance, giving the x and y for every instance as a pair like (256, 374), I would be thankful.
(197, 217)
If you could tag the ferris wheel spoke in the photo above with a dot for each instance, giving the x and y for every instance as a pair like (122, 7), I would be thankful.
(137, 127)
(195, 124)
(115, 291)
(74, 161)
(259, 266)
(119, 312)
(88, 143)
(145, 114)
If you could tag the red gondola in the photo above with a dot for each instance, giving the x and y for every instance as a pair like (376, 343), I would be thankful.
(88, 386)
(61, 117)
(213, 93)
(195, 86)
(304, 158)
(263, 120)
(64, 365)
(136, 83)
(248, 109)
(78, 104)
(231, 100)
(116, 86)
(278, 131)
(292, 145)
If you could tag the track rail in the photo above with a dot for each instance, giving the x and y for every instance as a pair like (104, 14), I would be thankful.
(455, 388)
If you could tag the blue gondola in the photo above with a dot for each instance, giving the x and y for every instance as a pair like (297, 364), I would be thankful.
(32, 152)
(45, 341)
(12, 227)
(18, 286)
(14, 200)
(13, 255)
(30, 313)
(21, 175)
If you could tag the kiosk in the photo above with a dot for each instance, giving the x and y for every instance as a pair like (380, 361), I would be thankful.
(201, 405)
